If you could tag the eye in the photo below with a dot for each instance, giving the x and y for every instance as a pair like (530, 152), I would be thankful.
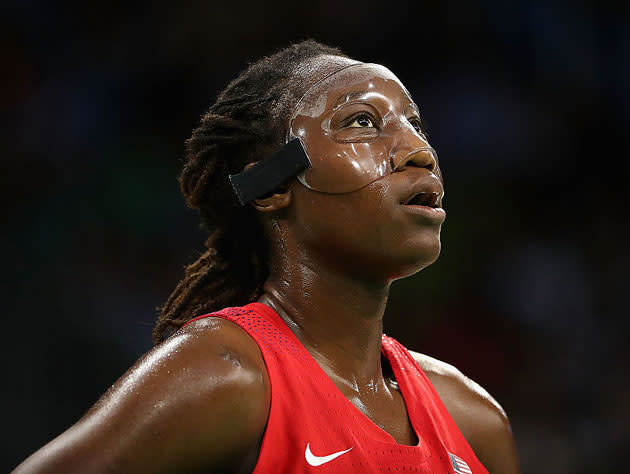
(415, 123)
(417, 126)
(362, 121)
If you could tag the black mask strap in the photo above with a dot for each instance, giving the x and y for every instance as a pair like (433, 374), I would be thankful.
(270, 172)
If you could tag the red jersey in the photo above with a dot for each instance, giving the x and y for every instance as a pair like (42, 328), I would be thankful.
(314, 428)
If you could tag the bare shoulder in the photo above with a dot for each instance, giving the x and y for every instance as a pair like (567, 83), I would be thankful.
(455, 388)
(480, 418)
(198, 401)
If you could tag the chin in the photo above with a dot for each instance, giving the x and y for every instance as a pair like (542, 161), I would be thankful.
(418, 257)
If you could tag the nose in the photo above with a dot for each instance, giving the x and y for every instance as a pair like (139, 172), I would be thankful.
(424, 157)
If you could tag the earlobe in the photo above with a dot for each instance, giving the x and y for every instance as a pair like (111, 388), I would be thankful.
(279, 199)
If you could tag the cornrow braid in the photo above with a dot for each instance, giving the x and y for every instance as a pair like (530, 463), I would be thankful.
(247, 122)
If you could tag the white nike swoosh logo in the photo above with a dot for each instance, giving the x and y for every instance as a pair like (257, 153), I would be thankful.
(319, 460)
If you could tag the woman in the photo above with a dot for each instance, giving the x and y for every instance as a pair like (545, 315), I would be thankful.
(318, 188)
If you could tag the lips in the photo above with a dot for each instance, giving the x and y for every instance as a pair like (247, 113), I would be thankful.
(426, 192)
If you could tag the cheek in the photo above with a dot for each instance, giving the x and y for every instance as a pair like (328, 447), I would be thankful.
(366, 228)
(358, 222)
(352, 165)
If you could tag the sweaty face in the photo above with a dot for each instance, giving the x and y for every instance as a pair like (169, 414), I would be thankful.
(379, 210)
(357, 125)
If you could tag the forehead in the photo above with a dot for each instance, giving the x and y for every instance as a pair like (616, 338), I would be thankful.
(360, 82)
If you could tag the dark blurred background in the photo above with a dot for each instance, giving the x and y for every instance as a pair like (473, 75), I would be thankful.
(527, 103)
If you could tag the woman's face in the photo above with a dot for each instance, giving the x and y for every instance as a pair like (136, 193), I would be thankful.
(356, 126)
(362, 133)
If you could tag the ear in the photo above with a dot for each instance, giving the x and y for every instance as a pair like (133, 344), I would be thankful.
(279, 199)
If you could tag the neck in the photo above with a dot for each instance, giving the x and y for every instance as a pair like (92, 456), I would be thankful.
(337, 317)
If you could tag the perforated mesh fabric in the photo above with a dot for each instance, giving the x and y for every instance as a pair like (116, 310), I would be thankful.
(307, 409)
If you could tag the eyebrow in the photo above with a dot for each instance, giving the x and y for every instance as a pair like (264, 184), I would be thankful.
(349, 97)
(359, 94)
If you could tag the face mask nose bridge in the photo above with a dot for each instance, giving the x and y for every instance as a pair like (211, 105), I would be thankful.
(410, 147)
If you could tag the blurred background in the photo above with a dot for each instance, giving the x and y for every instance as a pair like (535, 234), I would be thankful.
(527, 103)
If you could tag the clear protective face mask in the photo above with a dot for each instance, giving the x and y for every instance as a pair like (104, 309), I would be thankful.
(356, 126)
(351, 128)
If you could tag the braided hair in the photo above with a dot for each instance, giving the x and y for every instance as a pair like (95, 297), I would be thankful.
(247, 123)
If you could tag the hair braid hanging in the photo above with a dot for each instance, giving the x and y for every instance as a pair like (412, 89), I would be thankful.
(244, 125)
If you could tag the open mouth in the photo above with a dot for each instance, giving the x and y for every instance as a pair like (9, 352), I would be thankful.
(428, 199)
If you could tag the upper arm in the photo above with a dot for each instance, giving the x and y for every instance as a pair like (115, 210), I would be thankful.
(480, 418)
(199, 400)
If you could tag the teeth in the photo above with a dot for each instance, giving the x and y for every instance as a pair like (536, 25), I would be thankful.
(428, 199)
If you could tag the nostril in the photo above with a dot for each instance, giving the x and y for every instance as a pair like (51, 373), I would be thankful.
(428, 165)
(423, 158)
